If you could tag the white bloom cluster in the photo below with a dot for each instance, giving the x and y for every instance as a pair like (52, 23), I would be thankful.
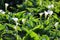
(51, 6)
(1, 11)
(46, 13)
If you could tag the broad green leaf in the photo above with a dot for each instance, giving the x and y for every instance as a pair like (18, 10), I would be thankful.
(2, 27)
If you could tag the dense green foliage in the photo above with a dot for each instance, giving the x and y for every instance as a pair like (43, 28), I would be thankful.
(21, 20)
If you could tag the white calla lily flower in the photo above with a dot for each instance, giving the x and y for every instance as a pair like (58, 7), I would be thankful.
(56, 24)
(15, 19)
(50, 12)
(46, 13)
(51, 6)
(2, 12)
(41, 14)
(23, 21)
(6, 5)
